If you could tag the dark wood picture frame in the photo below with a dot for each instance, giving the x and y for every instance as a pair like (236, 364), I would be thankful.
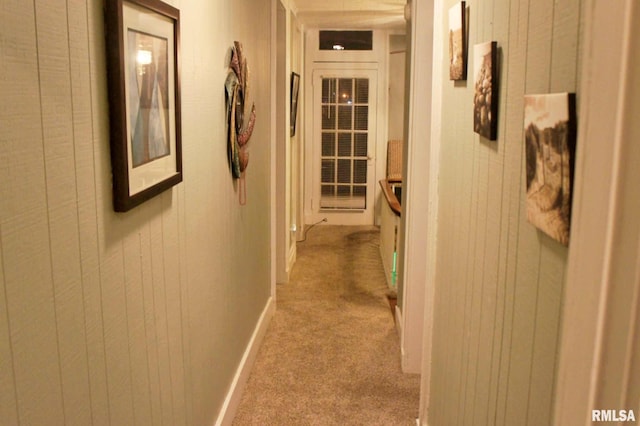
(144, 99)
(295, 88)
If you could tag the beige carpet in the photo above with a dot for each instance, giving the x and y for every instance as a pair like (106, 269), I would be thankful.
(331, 354)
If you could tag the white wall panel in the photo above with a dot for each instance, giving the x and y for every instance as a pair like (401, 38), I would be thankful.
(22, 175)
(172, 261)
(23, 226)
(28, 284)
(158, 295)
(499, 280)
(137, 336)
(151, 335)
(58, 139)
(138, 317)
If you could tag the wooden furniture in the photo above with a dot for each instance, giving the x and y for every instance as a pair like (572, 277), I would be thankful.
(389, 230)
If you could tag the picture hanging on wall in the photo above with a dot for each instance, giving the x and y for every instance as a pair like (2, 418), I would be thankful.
(550, 133)
(239, 127)
(485, 100)
(457, 42)
(144, 99)
(295, 88)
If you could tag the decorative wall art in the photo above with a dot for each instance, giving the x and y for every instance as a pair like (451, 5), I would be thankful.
(144, 99)
(236, 93)
(485, 100)
(295, 88)
(457, 42)
(550, 134)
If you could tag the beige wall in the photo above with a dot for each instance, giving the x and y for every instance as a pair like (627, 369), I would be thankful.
(134, 318)
(499, 281)
(397, 65)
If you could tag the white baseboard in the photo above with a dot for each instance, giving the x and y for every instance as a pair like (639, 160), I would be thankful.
(231, 402)
(293, 254)
(419, 422)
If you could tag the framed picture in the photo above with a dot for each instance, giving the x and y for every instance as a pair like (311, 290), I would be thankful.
(457, 42)
(550, 137)
(295, 88)
(485, 99)
(144, 99)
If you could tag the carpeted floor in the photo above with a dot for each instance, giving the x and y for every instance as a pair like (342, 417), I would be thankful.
(331, 354)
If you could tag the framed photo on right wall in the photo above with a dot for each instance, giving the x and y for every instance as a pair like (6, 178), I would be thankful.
(457, 42)
(550, 137)
(485, 99)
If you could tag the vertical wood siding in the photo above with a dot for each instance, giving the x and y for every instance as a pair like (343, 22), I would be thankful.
(134, 318)
(499, 281)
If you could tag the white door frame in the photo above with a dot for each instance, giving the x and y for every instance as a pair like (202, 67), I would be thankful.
(313, 166)
(282, 194)
(417, 245)
(600, 349)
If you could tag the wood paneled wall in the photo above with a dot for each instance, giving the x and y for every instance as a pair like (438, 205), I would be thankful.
(138, 317)
(499, 281)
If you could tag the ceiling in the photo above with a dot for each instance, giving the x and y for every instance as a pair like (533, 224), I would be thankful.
(348, 14)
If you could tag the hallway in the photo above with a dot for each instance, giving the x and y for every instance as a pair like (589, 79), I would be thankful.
(330, 355)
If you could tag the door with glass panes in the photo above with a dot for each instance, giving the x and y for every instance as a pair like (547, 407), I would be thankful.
(344, 146)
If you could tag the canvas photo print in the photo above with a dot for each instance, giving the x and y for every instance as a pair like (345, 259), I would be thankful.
(549, 128)
(485, 99)
(457, 43)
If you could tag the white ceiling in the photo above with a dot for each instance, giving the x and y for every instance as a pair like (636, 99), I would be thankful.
(347, 14)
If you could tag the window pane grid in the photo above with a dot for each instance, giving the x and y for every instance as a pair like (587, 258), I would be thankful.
(344, 148)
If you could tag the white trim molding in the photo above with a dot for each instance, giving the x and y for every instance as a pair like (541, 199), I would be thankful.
(416, 239)
(234, 396)
(599, 360)
(432, 226)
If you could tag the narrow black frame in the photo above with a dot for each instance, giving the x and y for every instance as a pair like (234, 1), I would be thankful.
(120, 140)
(295, 88)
